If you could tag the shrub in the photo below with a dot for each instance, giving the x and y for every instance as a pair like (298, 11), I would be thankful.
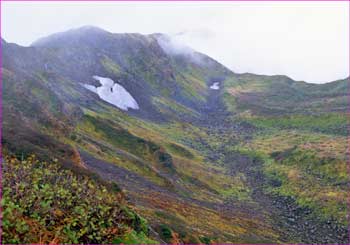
(165, 232)
(42, 202)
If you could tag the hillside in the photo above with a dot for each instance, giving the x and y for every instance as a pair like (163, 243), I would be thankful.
(45, 203)
(204, 154)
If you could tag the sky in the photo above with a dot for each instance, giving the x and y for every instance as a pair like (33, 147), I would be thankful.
(306, 41)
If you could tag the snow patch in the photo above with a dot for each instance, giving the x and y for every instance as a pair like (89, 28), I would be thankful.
(215, 86)
(113, 93)
(91, 88)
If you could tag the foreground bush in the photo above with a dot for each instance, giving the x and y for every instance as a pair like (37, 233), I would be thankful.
(43, 203)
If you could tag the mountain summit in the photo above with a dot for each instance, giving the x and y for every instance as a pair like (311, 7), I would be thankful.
(85, 34)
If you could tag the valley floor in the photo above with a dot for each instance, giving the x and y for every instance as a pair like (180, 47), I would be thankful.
(250, 214)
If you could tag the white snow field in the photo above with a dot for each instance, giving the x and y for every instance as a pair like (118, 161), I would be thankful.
(215, 86)
(113, 93)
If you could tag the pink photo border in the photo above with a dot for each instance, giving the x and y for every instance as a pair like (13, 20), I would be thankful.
(1, 105)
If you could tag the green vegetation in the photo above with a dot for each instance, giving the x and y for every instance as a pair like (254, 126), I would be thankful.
(133, 238)
(165, 233)
(189, 89)
(179, 150)
(111, 66)
(43, 203)
(119, 137)
(238, 189)
(300, 136)
(309, 167)
(123, 139)
(332, 123)
(279, 95)
(172, 108)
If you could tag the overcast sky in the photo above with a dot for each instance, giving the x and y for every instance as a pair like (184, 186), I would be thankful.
(305, 40)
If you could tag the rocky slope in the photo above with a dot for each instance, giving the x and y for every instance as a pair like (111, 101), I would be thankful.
(207, 155)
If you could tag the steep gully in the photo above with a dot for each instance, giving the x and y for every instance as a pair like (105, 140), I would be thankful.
(291, 222)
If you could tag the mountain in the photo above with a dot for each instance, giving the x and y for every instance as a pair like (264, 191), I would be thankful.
(282, 95)
(203, 153)
(138, 63)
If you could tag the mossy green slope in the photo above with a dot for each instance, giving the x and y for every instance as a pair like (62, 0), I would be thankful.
(300, 136)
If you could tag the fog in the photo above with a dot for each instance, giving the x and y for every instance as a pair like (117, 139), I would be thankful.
(172, 45)
(304, 40)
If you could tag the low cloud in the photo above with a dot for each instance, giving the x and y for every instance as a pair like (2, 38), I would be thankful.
(173, 45)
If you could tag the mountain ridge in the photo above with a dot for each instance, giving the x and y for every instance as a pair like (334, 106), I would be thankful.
(90, 29)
